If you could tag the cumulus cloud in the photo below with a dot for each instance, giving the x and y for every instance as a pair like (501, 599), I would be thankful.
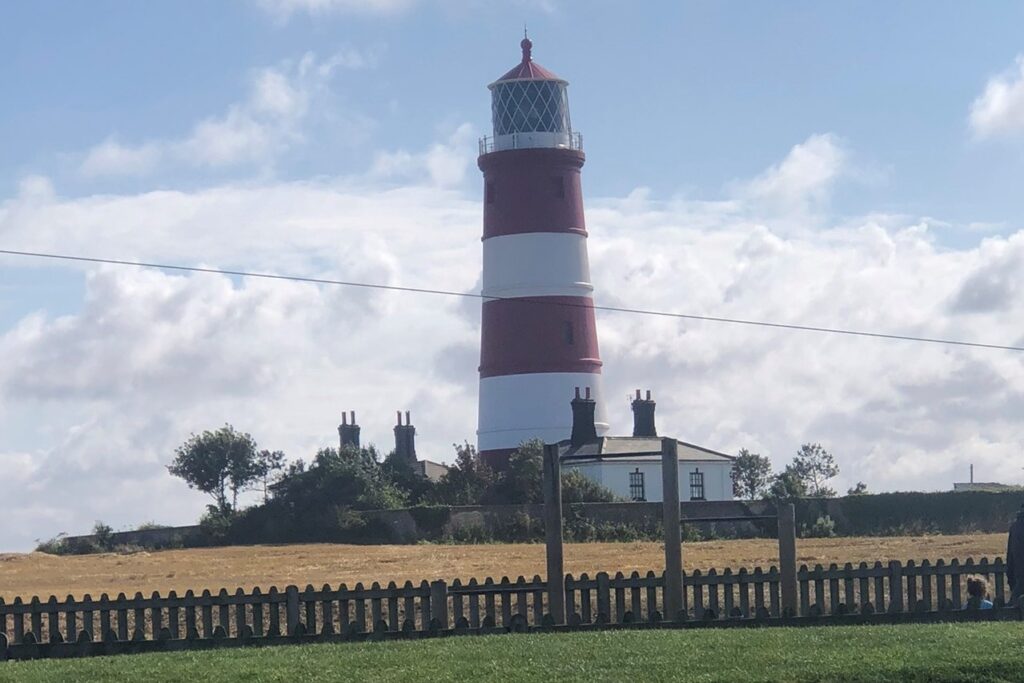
(93, 402)
(999, 109)
(283, 9)
(444, 164)
(268, 122)
(997, 282)
(803, 180)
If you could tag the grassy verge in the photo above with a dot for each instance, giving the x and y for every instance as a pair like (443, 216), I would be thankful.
(934, 652)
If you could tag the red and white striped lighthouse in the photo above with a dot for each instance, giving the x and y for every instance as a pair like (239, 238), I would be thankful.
(539, 336)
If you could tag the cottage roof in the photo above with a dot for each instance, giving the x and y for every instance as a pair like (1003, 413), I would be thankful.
(634, 448)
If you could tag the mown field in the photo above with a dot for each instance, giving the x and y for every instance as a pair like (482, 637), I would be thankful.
(934, 652)
(264, 566)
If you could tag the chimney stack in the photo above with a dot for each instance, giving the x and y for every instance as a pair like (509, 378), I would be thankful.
(405, 439)
(583, 428)
(643, 415)
(349, 431)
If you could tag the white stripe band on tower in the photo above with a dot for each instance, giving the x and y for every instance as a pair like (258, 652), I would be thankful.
(536, 264)
(512, 419)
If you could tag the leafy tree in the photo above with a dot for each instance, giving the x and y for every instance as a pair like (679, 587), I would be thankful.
(523, 480)
(350, 477)
(217, 463)
(269, 467)
(859, 490)
(417, 488)
(815, 466)
(467, 481)
(579, 488)
(751, 475)
(787, 485)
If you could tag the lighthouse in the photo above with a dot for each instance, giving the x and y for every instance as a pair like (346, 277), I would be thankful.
(538, 346)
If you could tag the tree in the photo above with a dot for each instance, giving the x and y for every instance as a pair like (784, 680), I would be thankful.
(523, 480)
(579, 488)
(751, 474)
(815, 466)
(269, 467)
(859, 490)
(400, 472)
(349, 478)
(217, 463)
(787, 485)
(467, 481)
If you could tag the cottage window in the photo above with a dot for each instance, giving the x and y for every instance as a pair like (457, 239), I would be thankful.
(636, 486)
(696, 485)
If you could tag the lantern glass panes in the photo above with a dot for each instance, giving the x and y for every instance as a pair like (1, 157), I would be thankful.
(530, 106)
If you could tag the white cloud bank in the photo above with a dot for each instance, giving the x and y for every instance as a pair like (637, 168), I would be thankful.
(283, 9)
(94, 402)
(999, 109)
(268, 122)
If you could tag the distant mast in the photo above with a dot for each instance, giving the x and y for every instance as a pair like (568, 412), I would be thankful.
(539, 336)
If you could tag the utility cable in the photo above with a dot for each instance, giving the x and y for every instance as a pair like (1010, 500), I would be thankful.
(472, 295)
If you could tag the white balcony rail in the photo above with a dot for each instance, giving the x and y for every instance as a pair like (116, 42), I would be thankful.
(488, 143)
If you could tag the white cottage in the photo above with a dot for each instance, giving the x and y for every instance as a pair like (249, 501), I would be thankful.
(630, 466)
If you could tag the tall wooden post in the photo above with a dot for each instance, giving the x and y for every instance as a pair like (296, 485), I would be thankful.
(673, 529)
(553, 532)
(787, 557)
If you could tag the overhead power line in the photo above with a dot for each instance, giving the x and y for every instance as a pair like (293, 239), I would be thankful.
(472, 295)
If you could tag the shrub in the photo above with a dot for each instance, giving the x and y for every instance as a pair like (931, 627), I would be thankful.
(103, 537)
(823, 527)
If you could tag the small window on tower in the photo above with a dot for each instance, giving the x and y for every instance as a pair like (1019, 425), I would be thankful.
(489, 193)
(559, 187)
(569, 337)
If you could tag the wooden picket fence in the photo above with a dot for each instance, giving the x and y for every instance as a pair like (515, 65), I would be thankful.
(75, 627)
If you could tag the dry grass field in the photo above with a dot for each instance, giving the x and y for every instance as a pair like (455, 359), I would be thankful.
(248, 566)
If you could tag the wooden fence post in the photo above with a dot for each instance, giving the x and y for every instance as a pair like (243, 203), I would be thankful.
(553, 533)
(787, 558)
(439, 604)
(673, 529)
(291, 595)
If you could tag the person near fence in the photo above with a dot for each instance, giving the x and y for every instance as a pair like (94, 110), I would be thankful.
(977, 593)
(1015, 559)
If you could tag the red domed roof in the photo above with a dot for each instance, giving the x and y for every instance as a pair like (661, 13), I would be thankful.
(528, 70)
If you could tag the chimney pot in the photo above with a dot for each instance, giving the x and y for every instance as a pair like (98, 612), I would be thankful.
(583, 428)
(405, 439)
(588, 392)
(348, 431)
(643, 416)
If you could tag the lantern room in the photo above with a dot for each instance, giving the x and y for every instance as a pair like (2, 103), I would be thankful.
(529, 109)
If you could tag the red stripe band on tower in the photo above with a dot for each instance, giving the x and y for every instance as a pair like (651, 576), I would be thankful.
(539, 334)
(532, 190)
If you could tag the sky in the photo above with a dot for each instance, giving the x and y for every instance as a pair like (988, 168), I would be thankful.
(834, 164)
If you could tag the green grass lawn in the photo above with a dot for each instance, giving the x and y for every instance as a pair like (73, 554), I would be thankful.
(933, 652)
